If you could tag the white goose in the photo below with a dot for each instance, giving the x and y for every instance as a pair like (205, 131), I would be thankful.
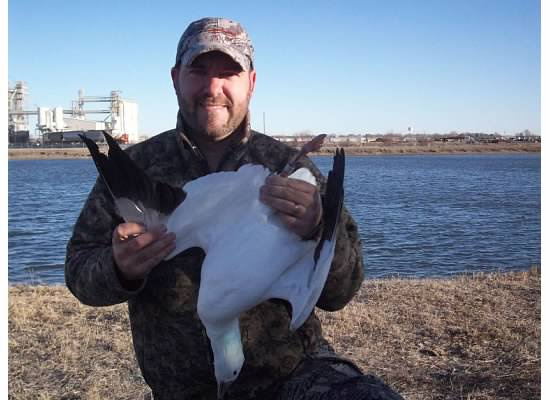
(250, 255)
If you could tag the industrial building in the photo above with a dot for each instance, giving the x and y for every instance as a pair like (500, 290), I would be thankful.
(56, 125)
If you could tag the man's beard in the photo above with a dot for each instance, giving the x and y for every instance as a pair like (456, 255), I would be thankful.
(212, 129)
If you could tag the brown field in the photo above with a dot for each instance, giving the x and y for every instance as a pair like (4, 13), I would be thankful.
(469, 337)
(370, 149)
(436, 148)
(47, 153)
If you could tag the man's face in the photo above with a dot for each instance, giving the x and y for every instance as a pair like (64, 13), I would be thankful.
(213, 94)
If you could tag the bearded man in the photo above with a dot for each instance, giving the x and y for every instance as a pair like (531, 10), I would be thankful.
(110, 261)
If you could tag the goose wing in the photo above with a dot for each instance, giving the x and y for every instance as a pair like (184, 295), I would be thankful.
(302, 284)
(137, 197)
(332, 204)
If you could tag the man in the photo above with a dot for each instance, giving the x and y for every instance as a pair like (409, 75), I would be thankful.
(109, 261)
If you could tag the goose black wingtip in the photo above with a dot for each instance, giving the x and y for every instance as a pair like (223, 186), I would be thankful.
(124, 178)
(332, 205)
(112, 143)
(88, 142)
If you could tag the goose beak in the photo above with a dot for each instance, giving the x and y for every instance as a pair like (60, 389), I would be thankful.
(222, 389)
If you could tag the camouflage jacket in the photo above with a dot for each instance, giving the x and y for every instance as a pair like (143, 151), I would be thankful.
(171, 345)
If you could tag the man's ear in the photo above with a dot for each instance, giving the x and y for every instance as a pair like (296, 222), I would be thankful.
(252, 82)
(175, 72)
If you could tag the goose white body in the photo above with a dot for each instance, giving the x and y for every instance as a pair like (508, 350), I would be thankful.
(250, 257)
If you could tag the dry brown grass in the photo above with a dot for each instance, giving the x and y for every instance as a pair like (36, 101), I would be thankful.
(470, 337)
(47, 153)
(368, 149)
(61, 349)
(436, 148)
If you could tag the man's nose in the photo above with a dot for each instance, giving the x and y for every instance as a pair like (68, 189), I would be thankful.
(213, 85)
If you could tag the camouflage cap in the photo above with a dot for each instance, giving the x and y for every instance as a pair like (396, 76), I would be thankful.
(215, 34)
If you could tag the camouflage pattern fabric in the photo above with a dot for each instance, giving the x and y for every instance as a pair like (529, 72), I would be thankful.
(171, 345)
(329, 377)
(215, 34)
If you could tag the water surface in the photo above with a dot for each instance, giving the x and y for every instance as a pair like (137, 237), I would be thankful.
(418, 215)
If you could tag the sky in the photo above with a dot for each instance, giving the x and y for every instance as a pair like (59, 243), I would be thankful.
(348, 67)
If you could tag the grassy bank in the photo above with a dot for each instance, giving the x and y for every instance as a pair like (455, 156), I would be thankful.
(370, 149)
(470, 337)
(436, 148)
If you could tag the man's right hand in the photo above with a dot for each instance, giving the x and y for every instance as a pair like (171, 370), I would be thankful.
(137, 250)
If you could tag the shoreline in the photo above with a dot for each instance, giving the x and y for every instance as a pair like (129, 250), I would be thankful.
(367, 150)
(380, 279)
(469, 336)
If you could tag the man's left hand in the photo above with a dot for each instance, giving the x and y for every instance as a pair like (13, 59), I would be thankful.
(297, 202)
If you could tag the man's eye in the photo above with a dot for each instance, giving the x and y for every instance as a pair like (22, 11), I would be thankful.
(229, 73)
